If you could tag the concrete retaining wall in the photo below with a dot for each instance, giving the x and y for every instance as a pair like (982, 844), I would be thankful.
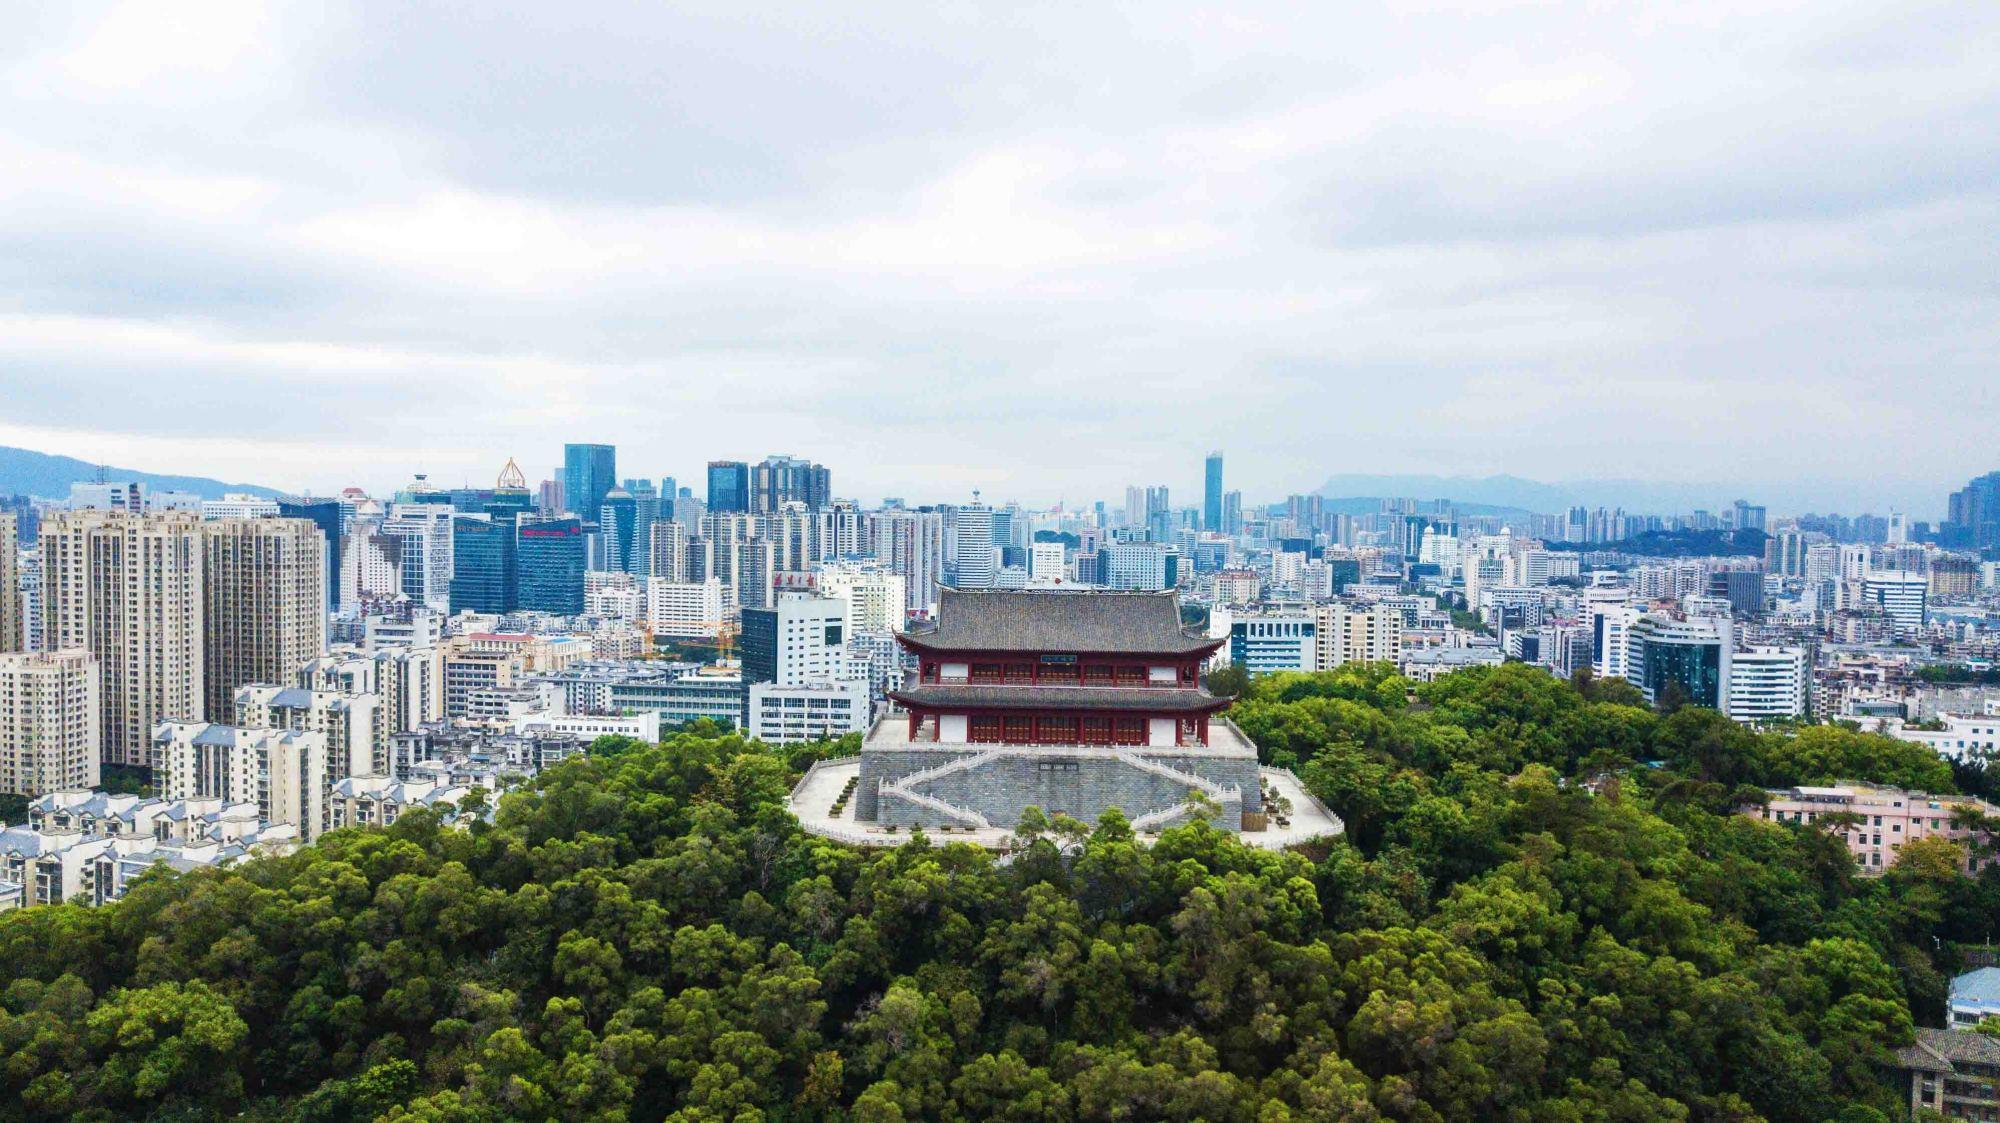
(1082, 783)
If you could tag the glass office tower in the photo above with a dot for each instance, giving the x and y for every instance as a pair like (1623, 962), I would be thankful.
(589, 472)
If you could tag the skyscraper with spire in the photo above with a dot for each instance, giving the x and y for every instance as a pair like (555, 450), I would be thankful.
(483, 568)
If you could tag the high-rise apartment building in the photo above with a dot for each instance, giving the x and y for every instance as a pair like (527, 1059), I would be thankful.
(357, 741)
(780, 479)
(31, 600)
(13, 634)
(424, 531)
(1211, 493)
(128, 589)
(874, 596)
(406, 680)
(589, 473)
(911, 545)
(1973, 518)
(975, 560)
(728, 487)
(50, 716)
(731, 550)
(667, 552)
(282, 771)
(371, 565)
(262, 617)
(1159, 515)
(1353, 633)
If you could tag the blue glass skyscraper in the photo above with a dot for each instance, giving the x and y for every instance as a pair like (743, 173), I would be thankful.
(728, 486)
(589, 472)
(627, 529)
(483, 570)
(482, 564)
(549, 563)
(1211, 494)
(324, 514)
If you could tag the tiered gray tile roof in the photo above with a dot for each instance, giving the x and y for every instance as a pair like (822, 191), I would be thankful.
(1067, 621)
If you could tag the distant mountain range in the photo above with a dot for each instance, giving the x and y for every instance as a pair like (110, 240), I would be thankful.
(27, 472)
(1641, 496)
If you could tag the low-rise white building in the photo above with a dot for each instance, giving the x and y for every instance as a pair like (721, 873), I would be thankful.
(688, 609)
(1964, 736)
(378, 801)
(88, 846)
(644, 725)
(782, 715)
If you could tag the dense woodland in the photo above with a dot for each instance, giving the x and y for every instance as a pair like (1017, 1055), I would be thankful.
(1527, 923)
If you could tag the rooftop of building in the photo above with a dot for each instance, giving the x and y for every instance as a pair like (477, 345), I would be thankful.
(1066, 620)
(1982, 986)
(1942, 1050)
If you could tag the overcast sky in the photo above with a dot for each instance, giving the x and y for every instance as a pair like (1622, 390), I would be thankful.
(1042, 251)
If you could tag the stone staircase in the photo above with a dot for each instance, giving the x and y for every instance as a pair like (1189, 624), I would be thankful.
(1185, 779)
(951, 767)
(967, 816)
(1166, 815)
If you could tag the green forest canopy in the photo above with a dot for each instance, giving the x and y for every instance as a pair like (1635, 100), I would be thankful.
(648, 935)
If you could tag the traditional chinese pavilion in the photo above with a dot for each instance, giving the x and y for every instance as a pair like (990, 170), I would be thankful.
(1071, 701)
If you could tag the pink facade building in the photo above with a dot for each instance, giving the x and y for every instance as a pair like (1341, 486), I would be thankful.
(1887, 818)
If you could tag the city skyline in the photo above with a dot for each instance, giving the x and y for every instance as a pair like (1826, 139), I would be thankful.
(963, 248)
(1923, 500)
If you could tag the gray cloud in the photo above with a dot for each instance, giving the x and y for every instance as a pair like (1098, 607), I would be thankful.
(1039, 250)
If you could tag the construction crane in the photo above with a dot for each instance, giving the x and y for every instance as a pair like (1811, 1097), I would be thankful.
(725, 640)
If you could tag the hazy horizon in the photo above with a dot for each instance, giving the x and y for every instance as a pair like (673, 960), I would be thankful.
(1026, 250)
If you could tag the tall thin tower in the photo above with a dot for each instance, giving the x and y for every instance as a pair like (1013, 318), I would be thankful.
(1211, 495)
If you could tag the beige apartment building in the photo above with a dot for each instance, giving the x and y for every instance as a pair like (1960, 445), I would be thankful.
(49, 722)
(128, 588)
(282, 771)
(408, 681)
(265, 605)
(498, 661)
(1352, 633)
(13, 629)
